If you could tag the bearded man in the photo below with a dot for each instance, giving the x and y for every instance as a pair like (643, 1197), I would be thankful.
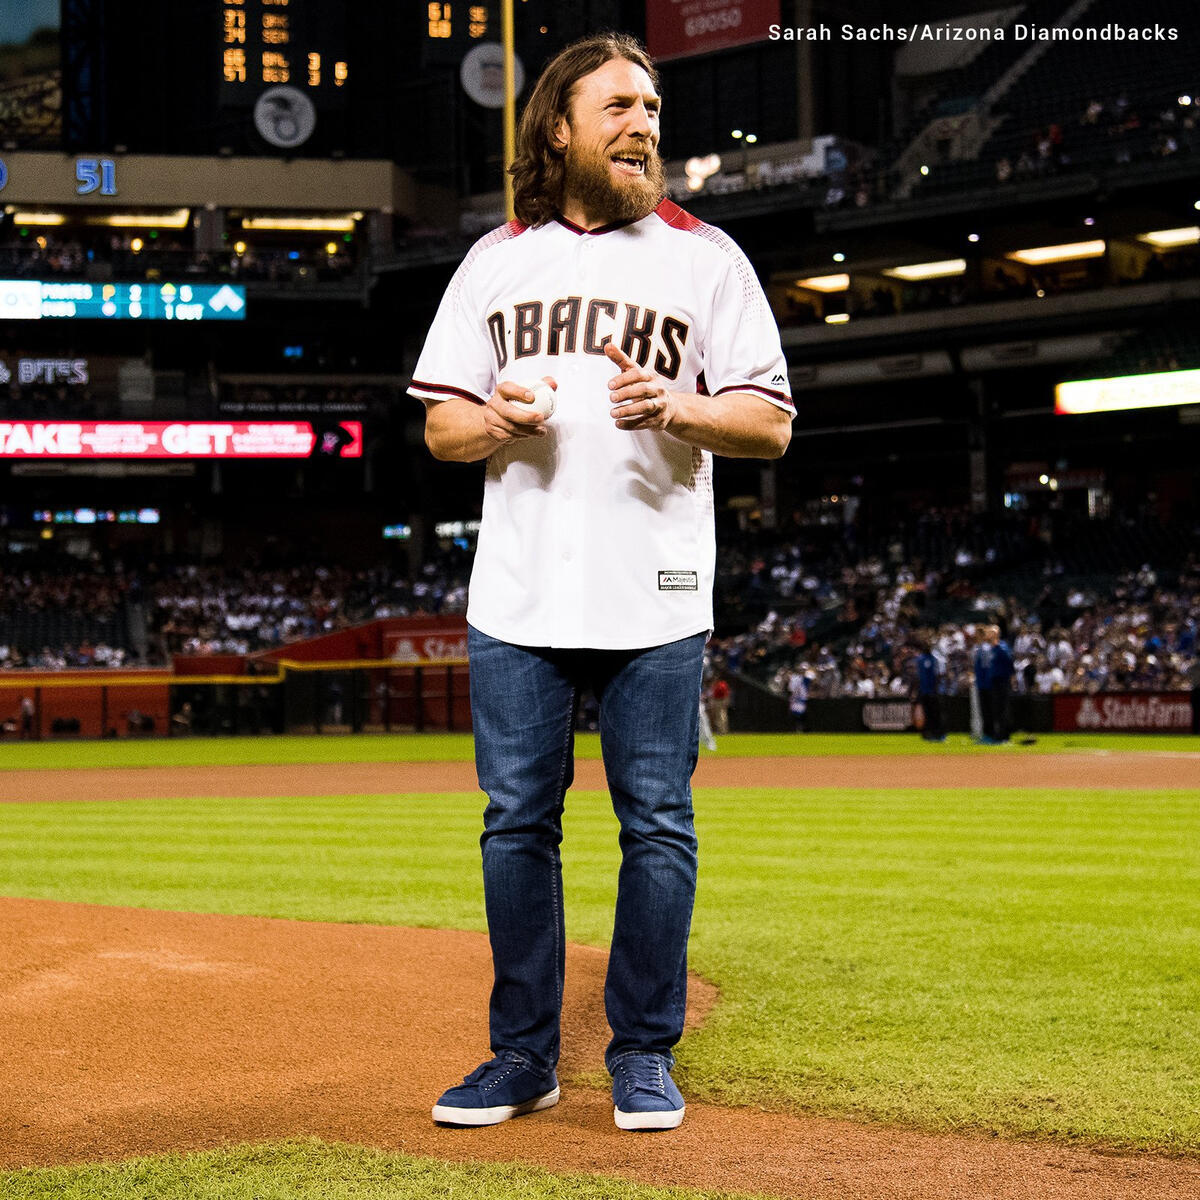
(596, 553)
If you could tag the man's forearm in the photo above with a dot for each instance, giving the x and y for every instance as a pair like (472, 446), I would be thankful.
(455, 432)
(734, 424)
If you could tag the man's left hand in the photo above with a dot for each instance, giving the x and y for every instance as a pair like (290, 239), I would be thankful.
(641, 399)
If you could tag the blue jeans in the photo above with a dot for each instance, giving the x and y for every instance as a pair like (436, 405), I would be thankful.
(523, 702)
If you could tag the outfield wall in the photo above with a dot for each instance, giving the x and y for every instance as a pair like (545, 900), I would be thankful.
(384, 696)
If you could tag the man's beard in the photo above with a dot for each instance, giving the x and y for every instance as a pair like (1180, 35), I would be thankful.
(590, 181)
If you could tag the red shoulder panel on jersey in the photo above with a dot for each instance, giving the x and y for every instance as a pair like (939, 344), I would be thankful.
(671, 214)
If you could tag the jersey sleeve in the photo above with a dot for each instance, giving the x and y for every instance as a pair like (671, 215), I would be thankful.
(743, 352)
(457, 358)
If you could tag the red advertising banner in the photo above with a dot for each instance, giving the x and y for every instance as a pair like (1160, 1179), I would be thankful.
(675, 28)
(180, 439)
(1124, 712)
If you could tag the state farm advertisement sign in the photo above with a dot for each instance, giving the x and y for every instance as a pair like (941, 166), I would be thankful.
(425, 645)
(179, 439)
(675, 28)
(1124, 712)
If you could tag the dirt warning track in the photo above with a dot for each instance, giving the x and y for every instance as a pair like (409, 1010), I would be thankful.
(1003, 767)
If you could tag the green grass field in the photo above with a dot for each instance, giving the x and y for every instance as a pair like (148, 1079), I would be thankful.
(314, 1171)
(457, 747)
(1021, 962)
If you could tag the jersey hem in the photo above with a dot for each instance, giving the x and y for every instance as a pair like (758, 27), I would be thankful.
(689, 630)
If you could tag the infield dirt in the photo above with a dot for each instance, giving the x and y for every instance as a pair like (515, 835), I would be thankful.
(131, 1031)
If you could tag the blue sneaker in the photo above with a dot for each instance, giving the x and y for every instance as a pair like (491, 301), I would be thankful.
(507, 1086)
(644, 1094)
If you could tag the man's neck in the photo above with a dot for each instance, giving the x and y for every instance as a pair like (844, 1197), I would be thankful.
(579, 216)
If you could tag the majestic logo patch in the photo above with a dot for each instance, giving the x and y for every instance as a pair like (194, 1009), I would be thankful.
(778, 378)
(678, 581)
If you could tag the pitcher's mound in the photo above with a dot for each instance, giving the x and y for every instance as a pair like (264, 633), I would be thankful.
(130, 1031)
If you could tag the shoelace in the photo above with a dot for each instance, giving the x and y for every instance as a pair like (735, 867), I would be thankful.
(643, 1073)
(493, 1067)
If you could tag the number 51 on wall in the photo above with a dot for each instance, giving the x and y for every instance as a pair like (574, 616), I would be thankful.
(96, 175)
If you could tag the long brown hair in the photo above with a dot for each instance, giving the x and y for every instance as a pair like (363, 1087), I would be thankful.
(538, 170)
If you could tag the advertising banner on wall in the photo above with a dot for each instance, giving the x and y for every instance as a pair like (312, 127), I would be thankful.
(180, 439)
(891, 716)
(417, 642)
(1124, 712)
(677, 28)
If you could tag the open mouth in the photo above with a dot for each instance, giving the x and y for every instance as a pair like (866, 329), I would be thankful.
(630, 164)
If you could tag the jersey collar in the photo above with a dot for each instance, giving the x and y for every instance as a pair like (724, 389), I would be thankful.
(579, 229)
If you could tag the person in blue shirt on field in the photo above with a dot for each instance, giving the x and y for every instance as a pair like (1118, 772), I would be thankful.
(1002, 671)
(930, 670)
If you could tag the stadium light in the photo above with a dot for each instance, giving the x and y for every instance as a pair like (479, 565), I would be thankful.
(929, 270)
(175, 219)
(1164, 239)
(1157, 389)
(311, 224)
(1036, 256)
(825, 283)
(38, 218)
(837, 318)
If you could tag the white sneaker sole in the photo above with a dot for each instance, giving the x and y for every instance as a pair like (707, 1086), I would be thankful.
(648, 1121)
(445, 1114)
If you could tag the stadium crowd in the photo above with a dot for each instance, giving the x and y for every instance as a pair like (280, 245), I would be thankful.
(856, 626)
(849, 620)
(95, 256)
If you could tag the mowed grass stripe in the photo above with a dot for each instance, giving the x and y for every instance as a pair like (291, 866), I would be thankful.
(459, 747)
(313, 1170)
(1019, 961)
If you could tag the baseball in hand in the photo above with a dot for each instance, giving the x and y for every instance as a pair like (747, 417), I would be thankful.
(543, 397)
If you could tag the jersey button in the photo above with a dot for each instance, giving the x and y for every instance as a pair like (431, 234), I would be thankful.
(566, 556)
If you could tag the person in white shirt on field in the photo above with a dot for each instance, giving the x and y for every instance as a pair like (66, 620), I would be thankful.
(596, 551)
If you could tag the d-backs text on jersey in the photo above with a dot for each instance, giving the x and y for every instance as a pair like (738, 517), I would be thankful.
(572, 325)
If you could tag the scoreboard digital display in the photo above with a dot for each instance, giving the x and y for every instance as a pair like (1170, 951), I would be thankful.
(452, 28)
(33, 300)
(264, 43)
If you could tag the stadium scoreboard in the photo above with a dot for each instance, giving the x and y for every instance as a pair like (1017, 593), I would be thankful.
(265, 43)
(452, 27)
(33, 300)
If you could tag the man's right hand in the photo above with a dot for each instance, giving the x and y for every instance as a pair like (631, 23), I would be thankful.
(507, 418)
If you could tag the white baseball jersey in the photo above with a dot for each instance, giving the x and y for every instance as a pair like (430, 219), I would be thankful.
(595, 536)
